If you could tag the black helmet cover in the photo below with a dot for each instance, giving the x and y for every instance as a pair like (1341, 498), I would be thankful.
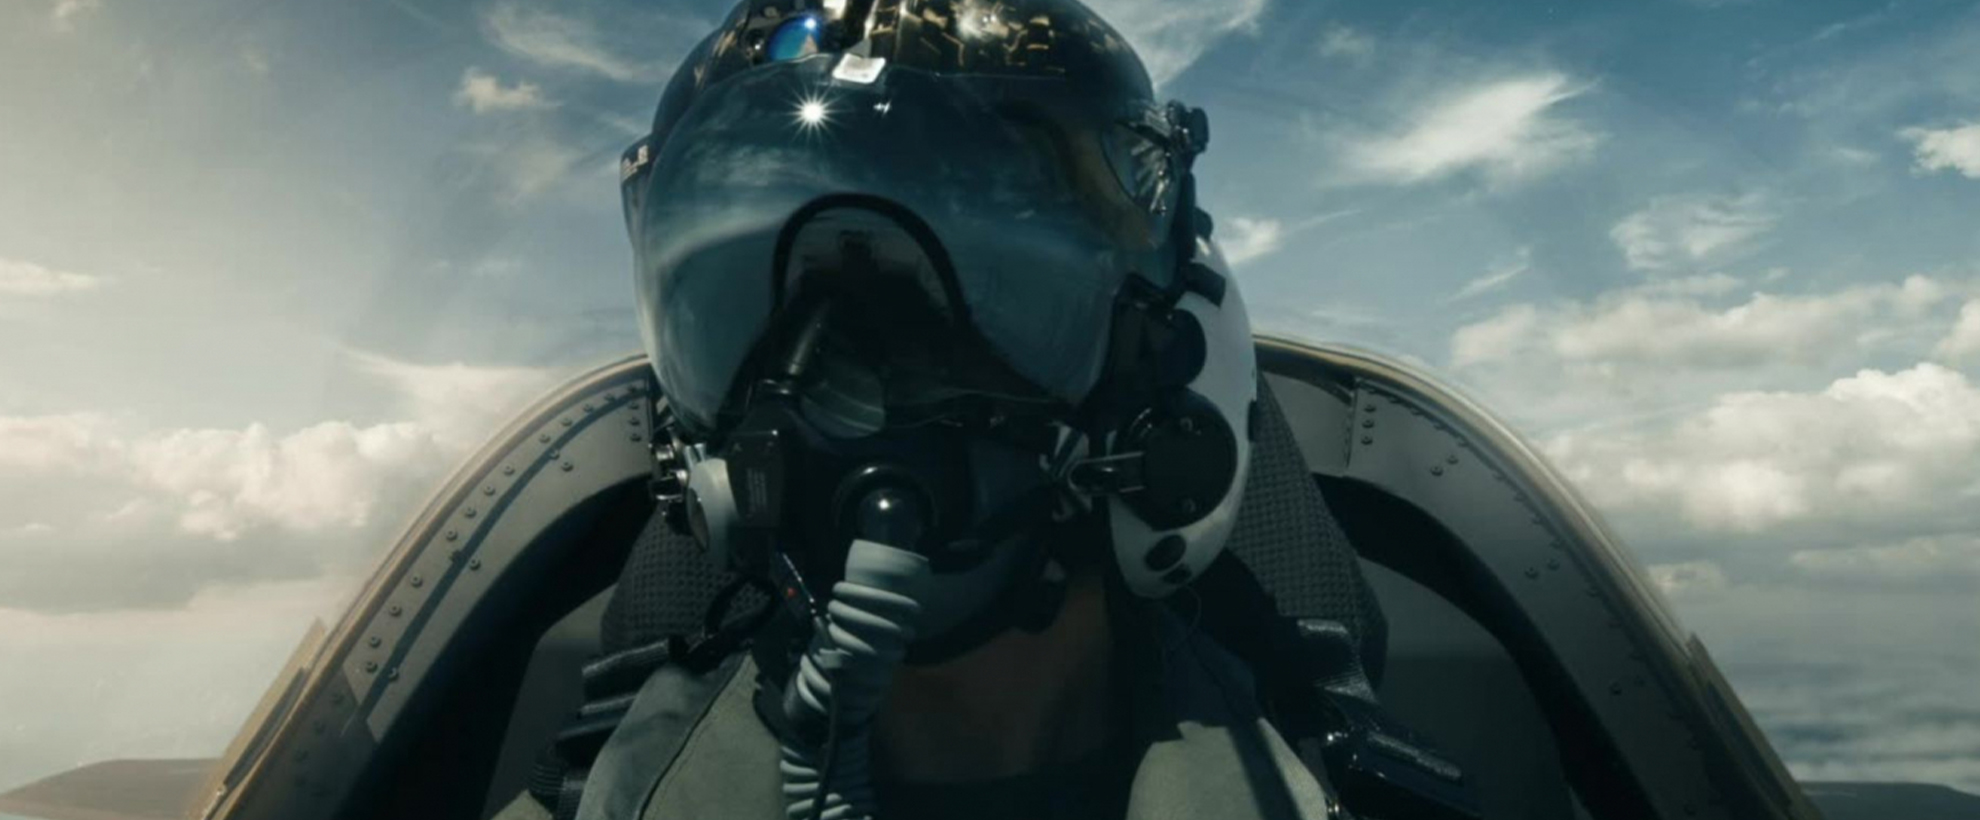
(1018, 141)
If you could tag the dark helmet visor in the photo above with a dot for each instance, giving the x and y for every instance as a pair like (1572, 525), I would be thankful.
(1045, 194)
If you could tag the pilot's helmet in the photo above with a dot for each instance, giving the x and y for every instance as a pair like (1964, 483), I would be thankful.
(994, 204)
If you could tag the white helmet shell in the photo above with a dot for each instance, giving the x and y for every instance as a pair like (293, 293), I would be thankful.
(1156, 562)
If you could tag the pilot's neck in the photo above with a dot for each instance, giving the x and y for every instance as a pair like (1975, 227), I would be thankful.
(1020, 703)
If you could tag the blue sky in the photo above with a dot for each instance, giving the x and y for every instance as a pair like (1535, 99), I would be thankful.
(266, 268)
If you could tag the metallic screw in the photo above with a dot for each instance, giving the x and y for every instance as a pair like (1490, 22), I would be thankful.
(468, 513)
(395, 611)
(1554, 563)
(638, 437)
(1532, 573)
(374, 642)
(488, 490)
(392, 673)
(1437, 470)
(545, 438)
(1367, 439)
(567, 466)
(370, 666)
(565, 422)
(418, 582)
(588, 408)
(1367, 422)
(474, 563)
(611, 396)
(634, 421)
(1369, 407)
(552, 455)
(508, 471)
(453, 536)
(1451, 460)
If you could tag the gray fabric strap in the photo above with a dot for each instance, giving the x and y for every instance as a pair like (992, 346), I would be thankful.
(650, 737)
(1223, 761)
(728, 768)
(524, 807)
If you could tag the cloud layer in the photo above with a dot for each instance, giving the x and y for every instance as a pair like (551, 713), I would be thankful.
(1171, 35)
(79, 492)
(1947, 149)
(1687, 231)
(565, 41)
(1680, 323)
(1889, 445)
(482, 93)
(1505, 131)
(18, 278)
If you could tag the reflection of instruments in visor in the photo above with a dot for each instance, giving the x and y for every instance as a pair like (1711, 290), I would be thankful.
(873, 316)
(1024, 134)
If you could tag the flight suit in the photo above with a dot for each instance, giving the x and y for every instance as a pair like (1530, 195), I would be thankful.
(1208, 752)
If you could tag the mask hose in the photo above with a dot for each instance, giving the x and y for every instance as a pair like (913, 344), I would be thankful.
(842, 681)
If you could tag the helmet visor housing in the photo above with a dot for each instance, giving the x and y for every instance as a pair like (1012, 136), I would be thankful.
(1019, 141)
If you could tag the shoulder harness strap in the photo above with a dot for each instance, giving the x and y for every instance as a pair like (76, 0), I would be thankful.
(1318, 696)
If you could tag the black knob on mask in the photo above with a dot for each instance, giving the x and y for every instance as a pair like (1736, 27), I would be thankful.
(894, 515)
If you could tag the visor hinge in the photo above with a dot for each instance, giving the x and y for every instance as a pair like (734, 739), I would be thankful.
(1107, 475)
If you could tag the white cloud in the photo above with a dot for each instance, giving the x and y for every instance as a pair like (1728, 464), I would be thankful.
(225, 483)
(1710, 284)
(1506, 131)
(1251, 238)
(48, 443)
(1664, 326)
(228, 483)
(1928, 558)
(1497, 276)
(1963, 343)
(1688, 578)
(548, 38)
(1680, 231)
(329, 475)
(1947, 149)
(18, 278)
(483, 92)
(1876, 446)
(1849, 155)
(528, 163)
(1341, 42)
(1499, 338)
(1170, 35)
(67, 12)
(459, 402)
